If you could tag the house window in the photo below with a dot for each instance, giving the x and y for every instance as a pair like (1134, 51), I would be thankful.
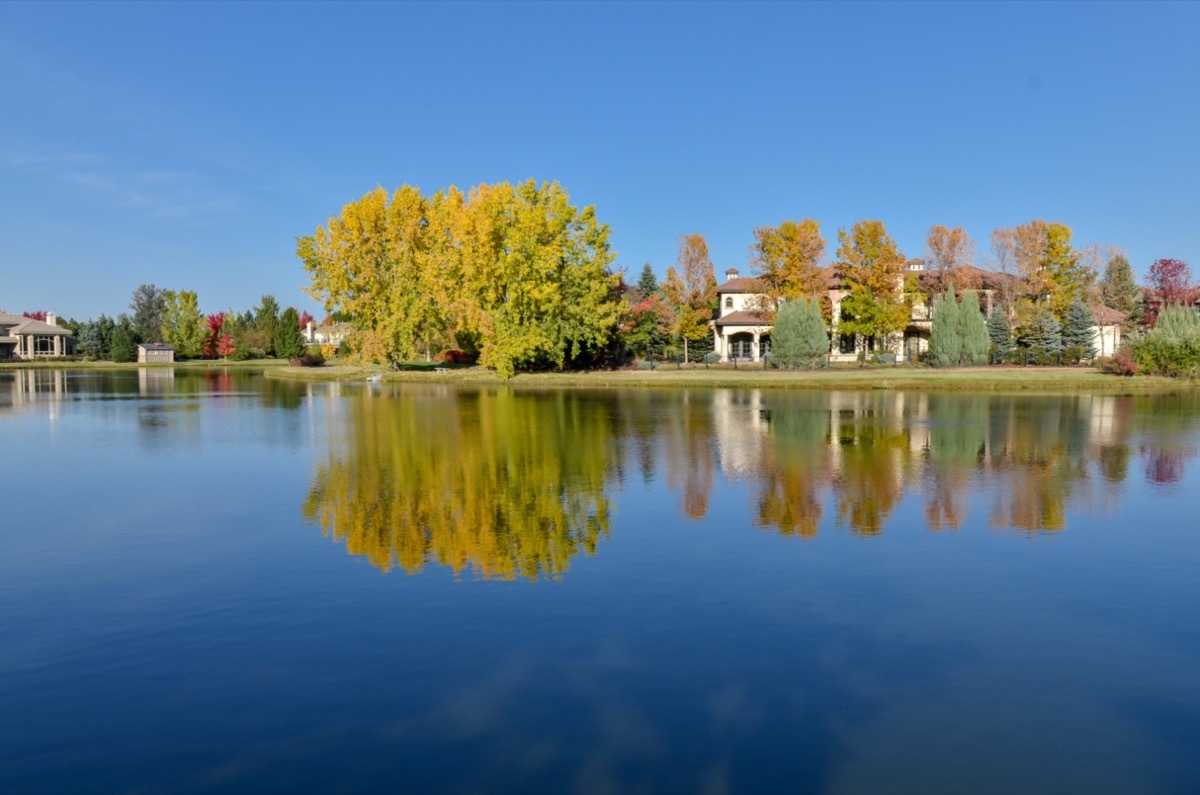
(729, 302)
(43, 345)
(740, 347)
(846, 343)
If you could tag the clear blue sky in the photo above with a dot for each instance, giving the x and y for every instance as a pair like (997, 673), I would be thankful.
(188, 145)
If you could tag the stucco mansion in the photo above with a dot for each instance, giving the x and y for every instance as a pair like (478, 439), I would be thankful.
(26, 338)
(742, 332)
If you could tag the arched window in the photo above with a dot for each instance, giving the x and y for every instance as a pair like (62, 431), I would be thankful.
(729, 302)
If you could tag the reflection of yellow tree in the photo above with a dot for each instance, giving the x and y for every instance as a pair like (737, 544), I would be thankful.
(870, 446)
(505, 484)
(796, 466)
(1043, 455)
(690, 451)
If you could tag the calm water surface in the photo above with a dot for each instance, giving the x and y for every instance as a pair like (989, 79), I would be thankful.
(220, 582)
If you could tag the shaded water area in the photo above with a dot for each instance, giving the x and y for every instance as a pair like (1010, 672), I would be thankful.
(221, 582)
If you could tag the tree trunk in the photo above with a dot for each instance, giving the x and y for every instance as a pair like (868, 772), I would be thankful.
(685, 351)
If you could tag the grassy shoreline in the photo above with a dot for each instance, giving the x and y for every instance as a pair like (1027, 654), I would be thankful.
(192, 364)
(977, 379)
(969, 379)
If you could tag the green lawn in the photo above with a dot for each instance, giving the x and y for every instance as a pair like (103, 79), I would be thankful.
(202, 364)
(982, 379)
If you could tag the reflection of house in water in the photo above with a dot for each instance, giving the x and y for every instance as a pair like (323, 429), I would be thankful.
(740, 427)
(24, 388)
(156, 381)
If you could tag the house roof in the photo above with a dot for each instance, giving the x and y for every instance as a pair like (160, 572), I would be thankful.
(742, 284)
(1107, 316)
(27, 325)
(156, 346)
(743, 319)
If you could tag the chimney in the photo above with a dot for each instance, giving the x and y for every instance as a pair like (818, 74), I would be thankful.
(309, 331)
(51, 319)
(731, 274)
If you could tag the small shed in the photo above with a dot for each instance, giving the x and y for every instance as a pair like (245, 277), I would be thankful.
(155, 353)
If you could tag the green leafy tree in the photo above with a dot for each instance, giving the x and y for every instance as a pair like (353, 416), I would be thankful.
(647, 283)
(945, 336)
(871, 265)
(148, 305)
(1118, 288)
(123, 348)
(1077, 333)
(972, 331)
(182, 326)
(799, 337)
(1000, 333)
(289, 340)
(105, 326)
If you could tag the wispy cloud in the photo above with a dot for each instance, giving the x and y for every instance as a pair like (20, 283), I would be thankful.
(187, 196)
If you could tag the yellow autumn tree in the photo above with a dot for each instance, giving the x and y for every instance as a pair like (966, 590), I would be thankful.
(518, 270)
(871, 266)
(787, 259)
(691, 290)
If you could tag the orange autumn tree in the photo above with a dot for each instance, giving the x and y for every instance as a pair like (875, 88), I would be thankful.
(691, 290)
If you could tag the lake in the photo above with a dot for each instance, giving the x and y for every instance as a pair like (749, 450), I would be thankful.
(216, 581)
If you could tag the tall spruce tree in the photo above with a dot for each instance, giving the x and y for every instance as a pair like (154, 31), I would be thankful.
(1118, 287)
(1000, 333)
(647, 282)
(945, 337)
(1077, 330)
(972, 331)
(289, 341)
(1044, 335)
(799, 337)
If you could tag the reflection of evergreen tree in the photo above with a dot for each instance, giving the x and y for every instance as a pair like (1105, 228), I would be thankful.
(796, 465)
(504, 484)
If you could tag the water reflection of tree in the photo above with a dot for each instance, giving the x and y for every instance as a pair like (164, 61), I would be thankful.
(795, 467)
(503, 484)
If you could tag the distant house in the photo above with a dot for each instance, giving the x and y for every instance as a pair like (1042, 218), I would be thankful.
(742, 328)
(26, 338)
(327, 333)
(155, 353)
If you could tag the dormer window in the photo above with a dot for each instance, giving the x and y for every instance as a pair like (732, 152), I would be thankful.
(729, 302)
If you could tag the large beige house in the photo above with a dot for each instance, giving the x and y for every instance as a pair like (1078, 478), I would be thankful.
(742, 329)
(26, 338)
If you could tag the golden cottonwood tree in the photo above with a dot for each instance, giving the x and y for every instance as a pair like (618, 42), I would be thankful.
(787, 259)
(182, 325)
(691, 290)
(872, 267)
(517, 269)
(945, 251)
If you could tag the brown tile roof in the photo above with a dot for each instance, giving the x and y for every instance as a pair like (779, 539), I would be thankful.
(1107, 316)
(742, 284)
(743, 319)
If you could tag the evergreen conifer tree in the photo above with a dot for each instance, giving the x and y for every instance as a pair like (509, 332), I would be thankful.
(289, 340)
(972, 331)
(647, 282)
(122, 348)
(1118, 288)
(1000, 333)
(1077, 330)
(945, 341)
(1045, 334)
(799, 337)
